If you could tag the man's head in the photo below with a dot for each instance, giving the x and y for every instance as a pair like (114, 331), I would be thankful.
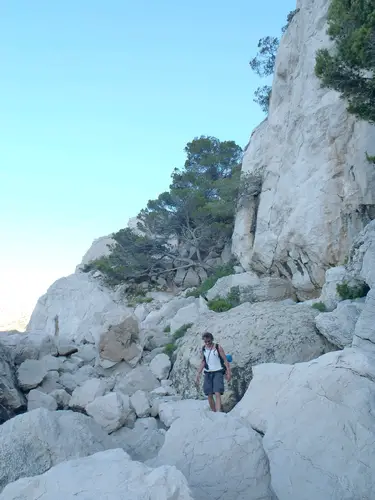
(208, 338)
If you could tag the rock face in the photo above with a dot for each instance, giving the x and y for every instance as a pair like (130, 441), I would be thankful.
(109, 474)
(318, 420)
(252, 288)
(219, 456)
(33, 442)
(11, 399)
(252, 334)
(78, 308)
(338, 326)
(311, 189)
(99, 248)
(143, 442)
(75, 308)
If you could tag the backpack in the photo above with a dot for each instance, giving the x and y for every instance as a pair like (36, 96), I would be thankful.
(229, 358)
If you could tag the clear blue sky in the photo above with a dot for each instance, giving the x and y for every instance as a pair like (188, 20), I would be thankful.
(97, 102)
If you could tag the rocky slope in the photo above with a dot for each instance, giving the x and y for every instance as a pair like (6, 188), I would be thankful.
(98, 396)
(313, 189)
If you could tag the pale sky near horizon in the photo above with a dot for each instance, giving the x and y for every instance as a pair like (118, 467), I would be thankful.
(97, 102)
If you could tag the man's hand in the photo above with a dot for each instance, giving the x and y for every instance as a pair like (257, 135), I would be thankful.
(228, 376)
(197, 379)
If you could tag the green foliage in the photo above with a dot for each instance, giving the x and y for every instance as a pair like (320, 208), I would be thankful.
(219, 272)
(169, 349)
(222, 305)
(167, 329)
(178, 334)
(370, 159)
(219, 305)
(349, 68)
(263, 64)
(289, 19)
(198, 210)
(320, 306)
(262, 96)
(348, 292)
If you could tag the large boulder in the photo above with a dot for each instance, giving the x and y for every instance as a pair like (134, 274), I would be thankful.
(38, 399)
(87, 393)
(12, 400)
(100, 247)
(362, 255)
(364, 333)
(29, 346)
(33, 442)
(338, 326)
(143, 442)
(162, 316)
(310, 187)
(252, 334)
(252, 288)
(169, 411)
(31, 373)
(188, 314)
(120, 340)
(160, 366)
(109, 411)
(109, 474)
(318, 421)
(78, 308)
(220, 457)
(139, 379)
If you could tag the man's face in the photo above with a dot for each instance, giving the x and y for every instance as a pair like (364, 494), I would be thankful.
(207, 341)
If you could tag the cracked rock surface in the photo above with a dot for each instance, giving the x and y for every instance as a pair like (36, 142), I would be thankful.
(220, 456)
(105, 475)
(318, 420)
(33, 442)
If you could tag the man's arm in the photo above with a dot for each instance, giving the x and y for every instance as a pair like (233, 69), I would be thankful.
(200, 369)
(227, 366)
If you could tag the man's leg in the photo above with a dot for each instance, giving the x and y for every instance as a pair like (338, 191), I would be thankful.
(211, 402)
(217, 401)
(208, 389)
(218, 388)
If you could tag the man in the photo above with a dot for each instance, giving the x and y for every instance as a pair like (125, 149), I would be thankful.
(213, 359)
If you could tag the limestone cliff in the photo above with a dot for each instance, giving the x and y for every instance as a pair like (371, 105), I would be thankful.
(313, 187)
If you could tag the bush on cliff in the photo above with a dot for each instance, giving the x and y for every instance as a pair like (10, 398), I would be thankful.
(349, 67)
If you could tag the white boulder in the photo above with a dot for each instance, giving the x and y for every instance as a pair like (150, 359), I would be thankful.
(338, 326)
(37, 399)
(62, 398)
(141, 404)
(318, 419)
(139, 379)
(161, 366)
(188, 314)
(172, 410)
(220, 456)
(87, 393)
(108, 411)
(252, 288)
(33, 442)
(143, 441)
(31, 373)
(110, 474)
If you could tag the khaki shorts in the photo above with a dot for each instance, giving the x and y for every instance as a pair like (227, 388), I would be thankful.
(213, 383)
